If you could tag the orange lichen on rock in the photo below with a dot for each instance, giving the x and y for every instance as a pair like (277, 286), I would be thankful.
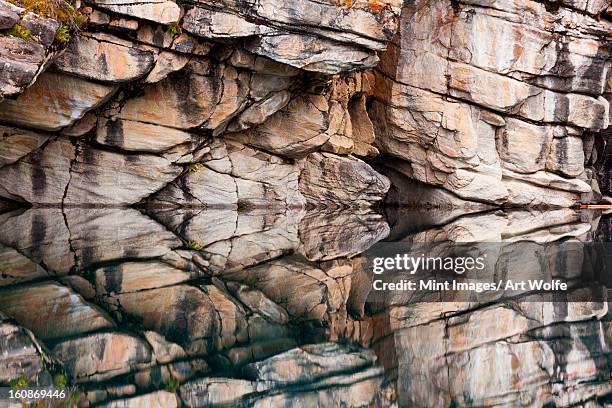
(376, 6)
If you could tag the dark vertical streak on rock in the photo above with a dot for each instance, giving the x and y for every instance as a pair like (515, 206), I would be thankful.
(38, 176)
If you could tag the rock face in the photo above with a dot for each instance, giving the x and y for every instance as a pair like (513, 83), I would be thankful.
(170, 95)
(324, 37)
(323, 368)
(199, 186)
(22, 59)
(20, 353)
(496, 104)
(166, 119)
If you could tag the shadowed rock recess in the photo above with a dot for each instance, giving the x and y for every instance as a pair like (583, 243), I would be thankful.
(187, 191)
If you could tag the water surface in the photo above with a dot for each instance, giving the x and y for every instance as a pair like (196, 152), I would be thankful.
(227, 307)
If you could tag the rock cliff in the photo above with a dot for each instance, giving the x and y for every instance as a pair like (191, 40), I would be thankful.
(232, 104)
(239, 103)
(204, 176)
(497, 101)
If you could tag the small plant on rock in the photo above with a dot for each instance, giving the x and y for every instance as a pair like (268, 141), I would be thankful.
(175, 29)
(195, 167)
(18, 383)
(171, 385)
(18, 31)
(63, 34)
(195, 245)
(63, 11)
(60, 381)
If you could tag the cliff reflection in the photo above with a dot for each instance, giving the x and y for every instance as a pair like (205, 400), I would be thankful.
(214, 307)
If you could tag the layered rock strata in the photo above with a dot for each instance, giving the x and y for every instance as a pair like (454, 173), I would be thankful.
(243, 132)
(24, 57)
(496, 101)
(102, 143)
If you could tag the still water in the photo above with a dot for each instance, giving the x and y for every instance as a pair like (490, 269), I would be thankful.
(167, 307)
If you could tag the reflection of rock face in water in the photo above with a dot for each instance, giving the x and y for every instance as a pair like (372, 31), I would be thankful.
(192, 298)
(206, 307)
(511, 350)
(210, 179)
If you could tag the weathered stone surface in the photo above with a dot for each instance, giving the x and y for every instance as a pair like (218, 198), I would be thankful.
(101, 356)
(538, 80)
(43, 29)
(532, 357)
(19, 355)
(324, 374)
(39, 235)
(167, 311)
(313, 362)
(129, 277)
(566, 156)
(187, 105)
(125, 24)
(330, 180)
(208, 97)
(523, 147)
(159, 11)
(527, 194)
(91, 237)
(69, 174)
(315, 36)
(484, 102)
(115, 178)
(311, 53)
(54, 101)
(17, 268)
(257, 301)
(103, 235)
(163, 350)
(139, 136)
(232, 240)
(21, 61)
(218, 24)
(259, 112)
(447, 143)
(319, 293)
(232, 174)
(41, 176)
(165, 64)
(298, 129)
(51, 310)
(217, 391)
(105, 57)
(239, 322)
(15, 143)
(343, 233)
(362, 128)
(158, 399)
(9, 15)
